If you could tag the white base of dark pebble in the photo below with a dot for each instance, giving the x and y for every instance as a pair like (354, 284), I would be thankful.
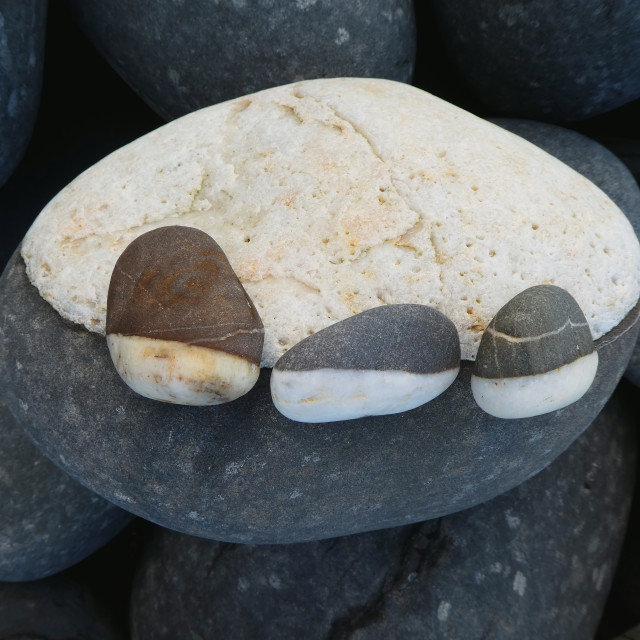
(527, 396)
(328, 395)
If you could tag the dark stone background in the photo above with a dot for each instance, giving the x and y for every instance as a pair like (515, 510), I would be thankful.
(87, 111)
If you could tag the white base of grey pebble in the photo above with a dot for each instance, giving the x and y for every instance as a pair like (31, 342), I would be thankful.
(328, 395)
(180, 373)
(527, 396)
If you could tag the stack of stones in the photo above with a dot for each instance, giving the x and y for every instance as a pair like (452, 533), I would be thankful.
(406, 515)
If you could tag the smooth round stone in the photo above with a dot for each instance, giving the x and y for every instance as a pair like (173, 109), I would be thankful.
(383, 361)
(536, 355)
(180, 57)
(48, 521)
(53, 609)
(22, 29)
(535, 562)
(596, 163)
(241, 471)
(564, 62)
(180, 326)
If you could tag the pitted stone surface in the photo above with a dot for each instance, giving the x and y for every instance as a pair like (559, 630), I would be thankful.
(533, 563)
(334, 196)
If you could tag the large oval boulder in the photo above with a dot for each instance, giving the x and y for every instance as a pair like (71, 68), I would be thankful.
(180, 57)
(533, 563)
(329, 198)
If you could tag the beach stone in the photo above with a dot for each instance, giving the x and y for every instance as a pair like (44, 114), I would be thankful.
(533, 563)
(598, 164)
(56, 608)
(535, 356)
(382, 361)
(241, 471)
(378, 187)
(180, 57)
(180, 327)
(22, 30)
(405, 209)
(48, 521)
(560, 63)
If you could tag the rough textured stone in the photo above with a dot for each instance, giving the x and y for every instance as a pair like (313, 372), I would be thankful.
(596, 163)
(183, 56)
(22, 28)
(333, 196)
(533, 563)
(382, 361)
(563, 62)
(180, 326)
(48, 521)
(53, 609)
(240, 471)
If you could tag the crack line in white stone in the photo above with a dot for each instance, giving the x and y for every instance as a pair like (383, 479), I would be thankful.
(377, 154)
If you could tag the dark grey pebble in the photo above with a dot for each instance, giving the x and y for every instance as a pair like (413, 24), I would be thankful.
(22, 31)
(48, 521)
(559, 62)
(533, 563)
(385, 360)
(596, 163)
(536, 355)
(241, 472)
(182, 56)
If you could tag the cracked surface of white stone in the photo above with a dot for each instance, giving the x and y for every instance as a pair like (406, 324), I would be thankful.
(332, 196)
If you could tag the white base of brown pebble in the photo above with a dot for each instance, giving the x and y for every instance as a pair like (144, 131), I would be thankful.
(180, 373)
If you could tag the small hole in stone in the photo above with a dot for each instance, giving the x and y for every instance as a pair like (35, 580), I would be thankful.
(469, 310)
(492, 253)
(534, 227)
(247, 239)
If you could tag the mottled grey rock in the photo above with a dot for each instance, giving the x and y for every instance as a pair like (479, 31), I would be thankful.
(182, 56)
(22, 28)
(53, 609)
(384, 360)
(48, 521)
(563, 62)
(241, 471)
(533, 563)
(596, 163)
